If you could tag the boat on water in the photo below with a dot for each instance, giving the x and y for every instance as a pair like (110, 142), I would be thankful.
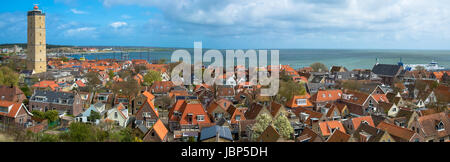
(432, 66)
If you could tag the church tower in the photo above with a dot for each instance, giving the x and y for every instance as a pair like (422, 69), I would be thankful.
(36, 49)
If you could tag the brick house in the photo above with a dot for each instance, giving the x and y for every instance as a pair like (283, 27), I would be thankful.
(147, 114)
(68, 102)
(11, 93)
(141, 99)
(433, 127)
(14, 112)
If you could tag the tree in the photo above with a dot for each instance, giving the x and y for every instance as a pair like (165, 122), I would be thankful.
(51, 115)
(289, 89)
(140, 68)
(80, 132)
(111, 75)
(262, 122)
(38, 114)
(151, 77)
(124, 73)
(94, 116)
(163, 101)
(352, 85)
(8, 77)
(319, 67)
(283, 126)
(162, 61)
(64, 59)
(26, 90)
(93, 80)
(420, 68)
(129, 88)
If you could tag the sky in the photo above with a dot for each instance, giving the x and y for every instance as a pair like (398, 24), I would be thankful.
(238, 24)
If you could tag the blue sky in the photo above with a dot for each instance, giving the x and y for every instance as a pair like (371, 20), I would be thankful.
(335, 24)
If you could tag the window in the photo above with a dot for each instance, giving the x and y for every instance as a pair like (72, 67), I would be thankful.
(440, 126)
(149, 124)
(115, 115)
(238, 117)
(218, 115)
(442, 139)
(329, 95)
(301, 101)
(200, 118)
(323, 95)
(146, 114)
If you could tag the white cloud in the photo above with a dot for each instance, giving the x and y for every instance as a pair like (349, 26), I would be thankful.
(400, 17)
(78, 12)
(82, 31)
(118, 24)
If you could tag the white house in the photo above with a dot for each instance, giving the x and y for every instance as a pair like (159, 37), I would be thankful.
(83, 117)
(118, 115)
(393, 111)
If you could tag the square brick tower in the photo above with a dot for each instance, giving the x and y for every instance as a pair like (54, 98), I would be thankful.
(36, 49)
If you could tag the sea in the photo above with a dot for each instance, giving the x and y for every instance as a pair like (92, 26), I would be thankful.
(298, 58)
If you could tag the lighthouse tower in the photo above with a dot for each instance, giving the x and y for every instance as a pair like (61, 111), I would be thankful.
(36, 47)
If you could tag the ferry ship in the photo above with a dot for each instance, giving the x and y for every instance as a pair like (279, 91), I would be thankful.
(433, 66)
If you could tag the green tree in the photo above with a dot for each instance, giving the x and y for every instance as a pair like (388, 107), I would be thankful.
(38, 114)
(93, 116)
(64, 59)
(283, 126)
(319, 67)
(262, 122)
(151, 77)
(111, 75)
(8, 77)
(289, 89)
(52, 115)
(80, 132)
(26, 90)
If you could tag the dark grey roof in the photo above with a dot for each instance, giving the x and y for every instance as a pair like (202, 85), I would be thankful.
(375, 134)
(28, 72)
(54, 97)
(142, 128)
(346, 75)
(314, 87)
(210, 132)
(386, 69)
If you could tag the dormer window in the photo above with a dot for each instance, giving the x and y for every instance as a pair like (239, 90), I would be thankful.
(440, 126)
(200, 118)
(329, 95)
(301, 101)
(323, 95)
(365, 122)
(237, 117)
